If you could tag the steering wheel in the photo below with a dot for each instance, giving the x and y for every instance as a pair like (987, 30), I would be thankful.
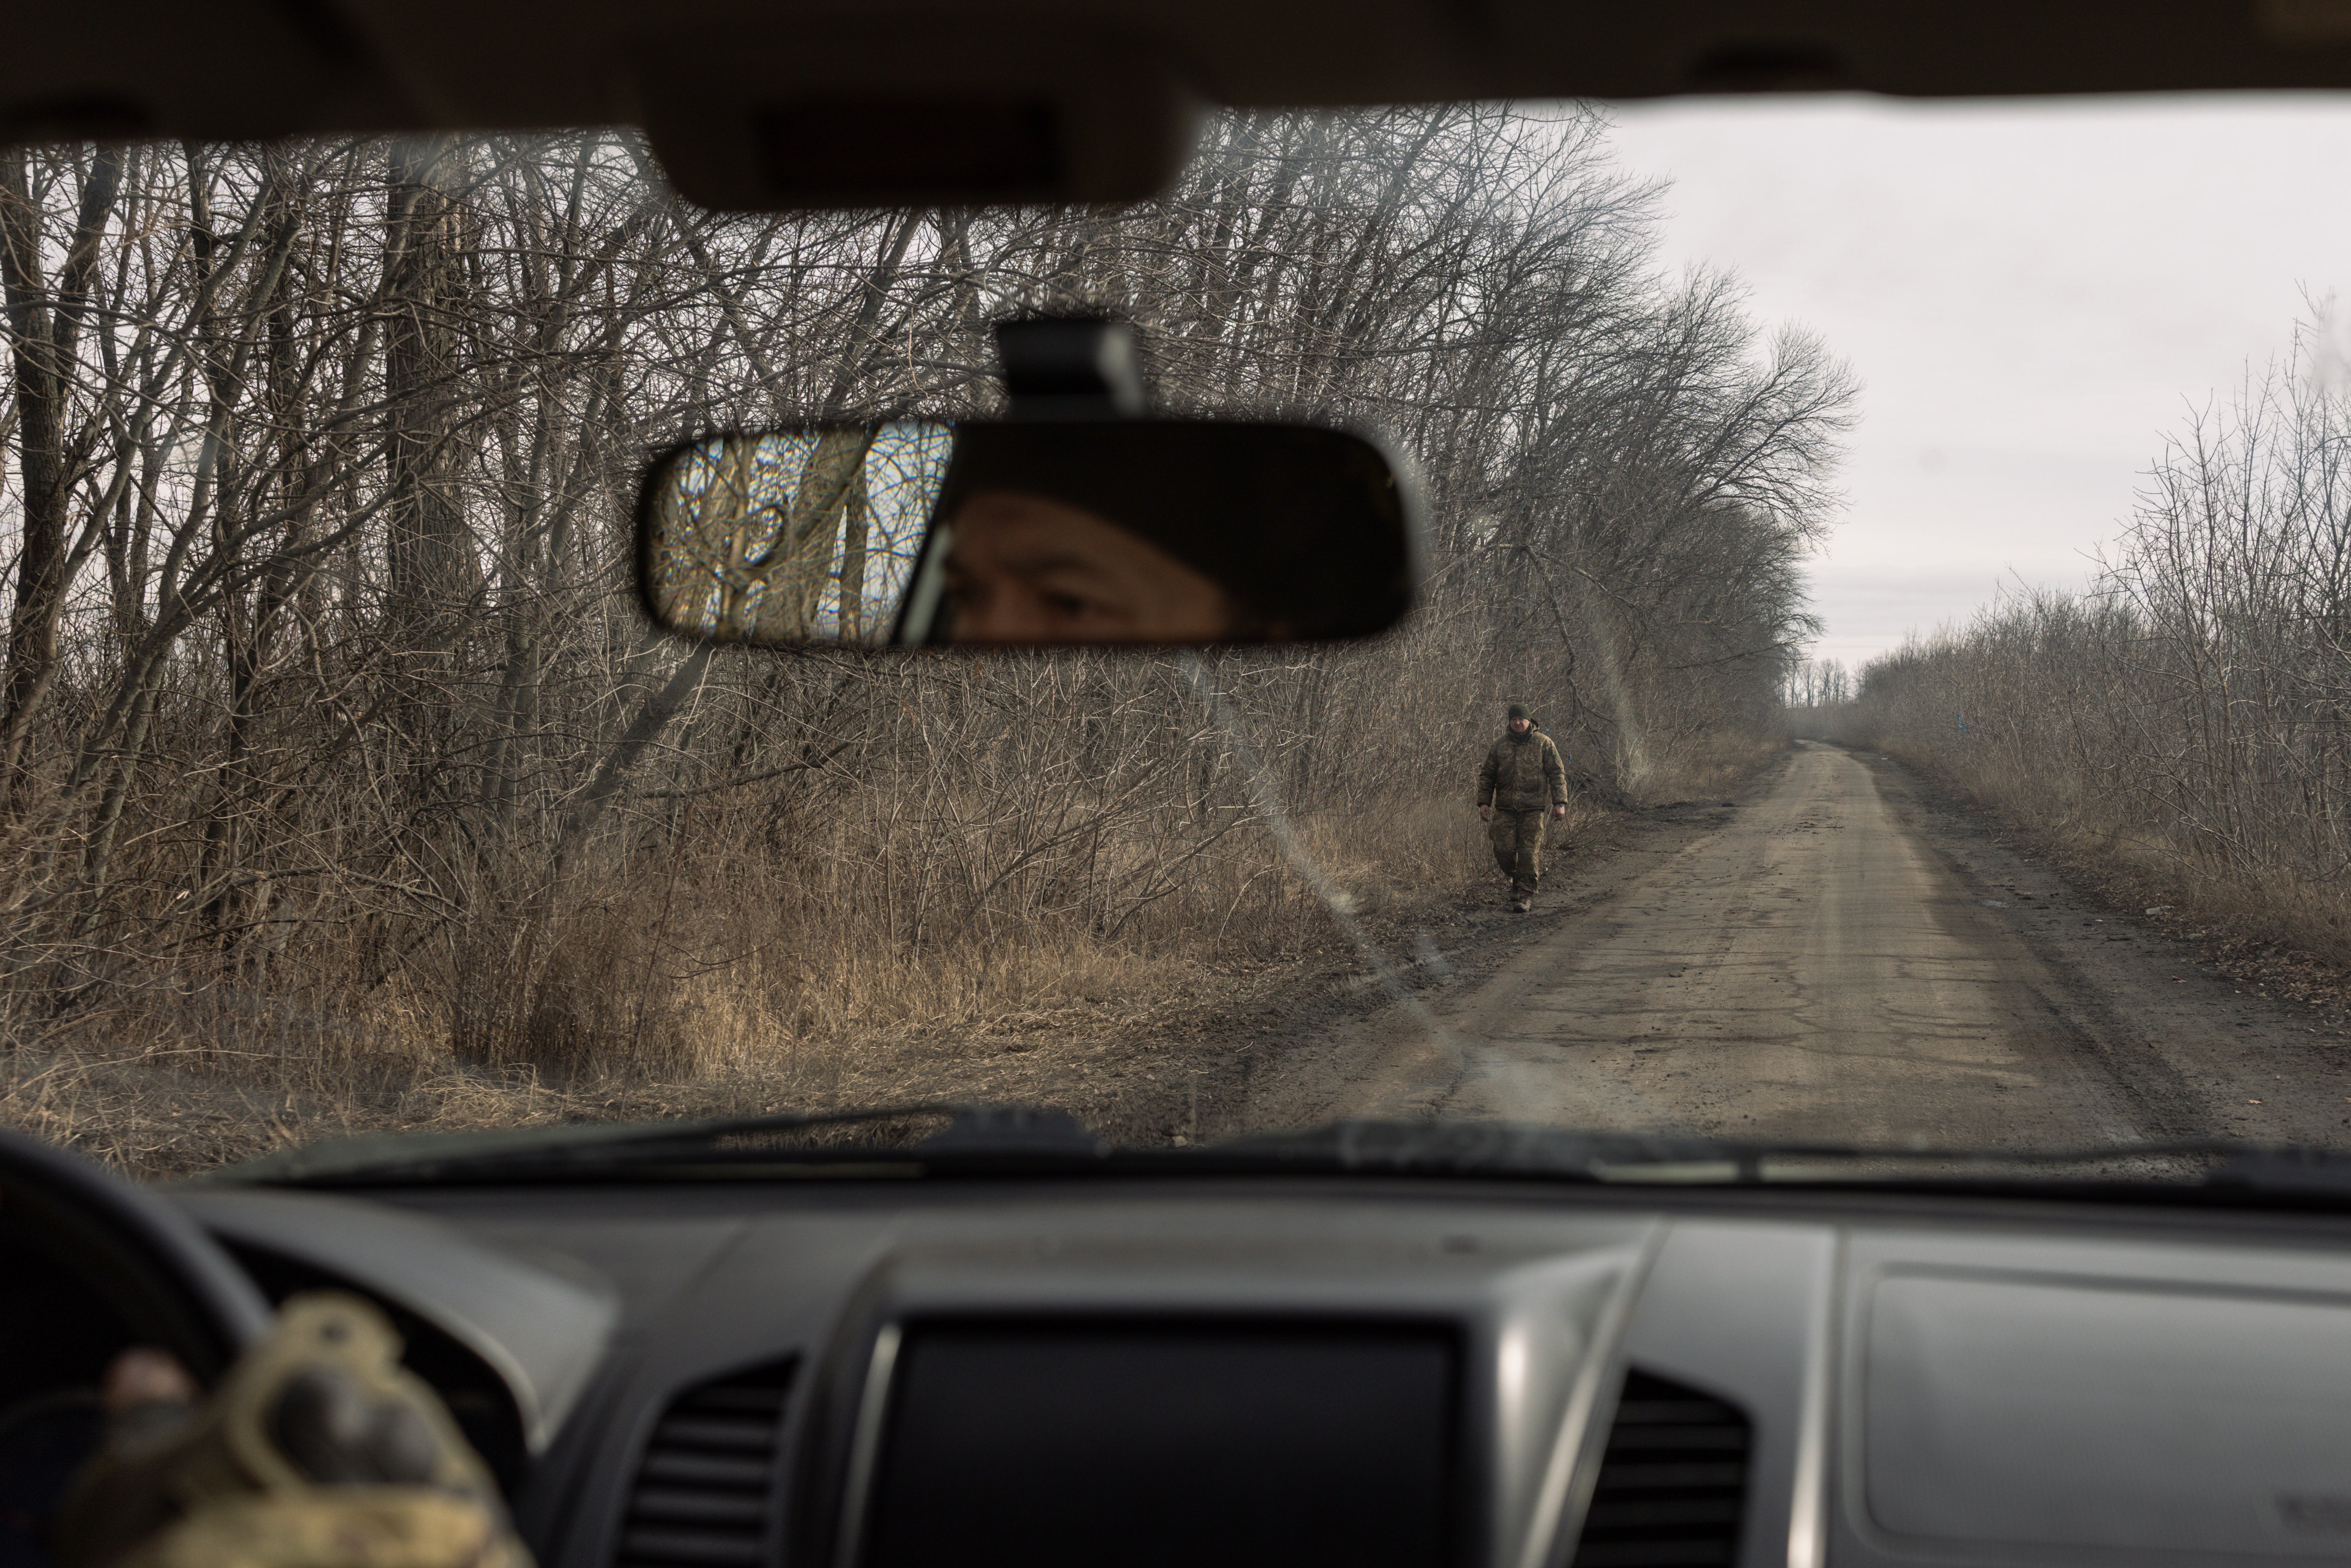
(174, 1286)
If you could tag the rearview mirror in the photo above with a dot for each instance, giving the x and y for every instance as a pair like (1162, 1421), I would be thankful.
(1067, 534)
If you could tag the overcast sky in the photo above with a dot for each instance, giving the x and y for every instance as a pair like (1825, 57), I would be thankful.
(2031, 296)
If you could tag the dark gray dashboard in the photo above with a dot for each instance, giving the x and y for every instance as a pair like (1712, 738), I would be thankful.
(702, 1377)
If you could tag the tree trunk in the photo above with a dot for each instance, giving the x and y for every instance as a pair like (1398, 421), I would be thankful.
(45, 330)
(432, 566)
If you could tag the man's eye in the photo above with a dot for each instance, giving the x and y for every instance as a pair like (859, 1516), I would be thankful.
(1070, 605)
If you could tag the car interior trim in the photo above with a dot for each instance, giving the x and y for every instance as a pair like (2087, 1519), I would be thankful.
(542, 1334)
(865, 1443)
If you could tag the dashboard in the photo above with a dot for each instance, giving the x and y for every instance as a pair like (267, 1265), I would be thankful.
(904, 1373)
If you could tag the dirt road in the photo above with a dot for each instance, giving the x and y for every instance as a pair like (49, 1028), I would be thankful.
(1842, 956)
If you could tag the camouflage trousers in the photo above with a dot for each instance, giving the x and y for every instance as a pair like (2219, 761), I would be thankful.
(1518, 841)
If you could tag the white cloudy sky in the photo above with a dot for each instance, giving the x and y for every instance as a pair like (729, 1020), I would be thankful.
(2031, 296)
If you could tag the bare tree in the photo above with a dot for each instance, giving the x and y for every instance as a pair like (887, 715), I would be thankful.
(325, 687)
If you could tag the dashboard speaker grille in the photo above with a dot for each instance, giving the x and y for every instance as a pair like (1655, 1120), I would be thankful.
(1672, 1484)
(705, 1493)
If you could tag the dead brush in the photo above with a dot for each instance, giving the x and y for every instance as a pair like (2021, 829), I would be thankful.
(870, 966)
(1702, 766)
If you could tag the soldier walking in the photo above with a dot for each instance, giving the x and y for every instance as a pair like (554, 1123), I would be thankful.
(1523, 783)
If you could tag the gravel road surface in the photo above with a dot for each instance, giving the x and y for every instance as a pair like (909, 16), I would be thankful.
(1844, 956)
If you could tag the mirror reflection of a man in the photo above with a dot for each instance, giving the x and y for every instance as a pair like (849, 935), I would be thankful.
(1176, 533)
(1029, 568)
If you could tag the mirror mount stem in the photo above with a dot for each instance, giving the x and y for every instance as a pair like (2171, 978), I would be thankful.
(1071, 367)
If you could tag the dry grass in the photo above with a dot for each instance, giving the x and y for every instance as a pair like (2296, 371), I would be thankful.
(865, 964)
(725, 987)
(1706, 765)
(2248, 912)
(2270, 920)
(159, 1094)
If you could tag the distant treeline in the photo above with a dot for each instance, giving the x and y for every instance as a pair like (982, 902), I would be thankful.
(2190, 713)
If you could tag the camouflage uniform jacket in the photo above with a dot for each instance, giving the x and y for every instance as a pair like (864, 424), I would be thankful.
(1522, 773)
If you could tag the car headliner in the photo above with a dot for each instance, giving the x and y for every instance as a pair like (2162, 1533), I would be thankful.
(241, 69)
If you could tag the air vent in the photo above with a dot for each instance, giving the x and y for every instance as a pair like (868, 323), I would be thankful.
(1672, 1483)
(705, 1495)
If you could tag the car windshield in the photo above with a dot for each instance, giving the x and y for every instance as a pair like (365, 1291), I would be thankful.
(1881, 678)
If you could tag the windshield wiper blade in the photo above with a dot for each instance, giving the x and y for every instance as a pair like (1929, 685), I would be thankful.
(969, 1132)
(2298, 1170)
(997, 1139)
(1471, 1148)
(973, 1138)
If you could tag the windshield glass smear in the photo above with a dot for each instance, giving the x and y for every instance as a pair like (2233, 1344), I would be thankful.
(1877, 684)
